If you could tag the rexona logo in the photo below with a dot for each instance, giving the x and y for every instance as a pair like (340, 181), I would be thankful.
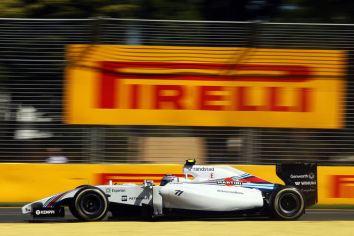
(203, 86)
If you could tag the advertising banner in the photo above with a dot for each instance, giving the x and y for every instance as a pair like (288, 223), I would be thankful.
(204, 86)
(25, 182)
(336, 185)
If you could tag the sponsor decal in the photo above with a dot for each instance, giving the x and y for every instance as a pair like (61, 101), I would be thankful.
(305, 183)
(45, 212)
(124, 198)
(312, 176)
(343, 186)
(203, 168)
(48, 212)
(113, 190)
(118, 190)
(228, 182)
(304, 176)
(273, 88)
(178, 192)
(139, 198)
(228, 191)
(304, 179)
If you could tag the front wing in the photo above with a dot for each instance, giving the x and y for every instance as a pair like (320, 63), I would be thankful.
(49, 206)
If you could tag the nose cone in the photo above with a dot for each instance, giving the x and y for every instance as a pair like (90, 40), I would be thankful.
(26, 209)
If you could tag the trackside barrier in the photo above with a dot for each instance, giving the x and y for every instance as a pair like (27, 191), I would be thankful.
(28, 182)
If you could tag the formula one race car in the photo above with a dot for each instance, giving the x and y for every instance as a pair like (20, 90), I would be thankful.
(205, 190)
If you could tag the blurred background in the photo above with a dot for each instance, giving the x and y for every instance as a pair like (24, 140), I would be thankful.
(34, 40)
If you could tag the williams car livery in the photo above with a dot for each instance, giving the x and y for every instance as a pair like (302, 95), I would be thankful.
(204, 190)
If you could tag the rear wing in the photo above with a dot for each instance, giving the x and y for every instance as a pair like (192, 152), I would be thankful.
(303, 176)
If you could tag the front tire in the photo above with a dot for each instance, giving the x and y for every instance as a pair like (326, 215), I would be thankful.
(89, 204)
(288, 204)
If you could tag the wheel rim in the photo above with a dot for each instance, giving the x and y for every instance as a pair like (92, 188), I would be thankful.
(91, 204)
(289, 203)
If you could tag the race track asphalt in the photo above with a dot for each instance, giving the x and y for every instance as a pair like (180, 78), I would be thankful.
(314, 223)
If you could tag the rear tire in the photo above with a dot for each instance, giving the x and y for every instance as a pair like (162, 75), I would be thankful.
(89, 204)
(288, 204)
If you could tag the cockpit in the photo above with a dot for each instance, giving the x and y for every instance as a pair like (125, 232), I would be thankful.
(167, 179)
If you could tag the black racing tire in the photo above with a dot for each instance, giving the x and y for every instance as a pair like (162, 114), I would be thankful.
(288, 204)
(89, 204)
(84, 186)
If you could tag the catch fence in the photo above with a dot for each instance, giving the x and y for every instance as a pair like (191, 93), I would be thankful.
(33, 123)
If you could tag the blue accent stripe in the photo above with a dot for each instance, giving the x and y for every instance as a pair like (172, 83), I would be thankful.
(243, 176)
(258, 186)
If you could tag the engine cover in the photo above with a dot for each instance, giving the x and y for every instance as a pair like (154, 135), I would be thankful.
(191, 196)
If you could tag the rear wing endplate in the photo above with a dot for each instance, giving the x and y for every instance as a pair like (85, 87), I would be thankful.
(303, 176)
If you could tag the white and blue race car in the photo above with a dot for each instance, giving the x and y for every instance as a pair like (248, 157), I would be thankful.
(205, 190)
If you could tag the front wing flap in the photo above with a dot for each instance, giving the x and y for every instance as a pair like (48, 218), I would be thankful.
(48, 206)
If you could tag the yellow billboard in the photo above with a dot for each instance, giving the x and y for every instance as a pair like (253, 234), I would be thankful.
(24, 182)
(204, 86)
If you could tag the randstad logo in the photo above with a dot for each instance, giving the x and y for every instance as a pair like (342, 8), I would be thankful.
(203, 168)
